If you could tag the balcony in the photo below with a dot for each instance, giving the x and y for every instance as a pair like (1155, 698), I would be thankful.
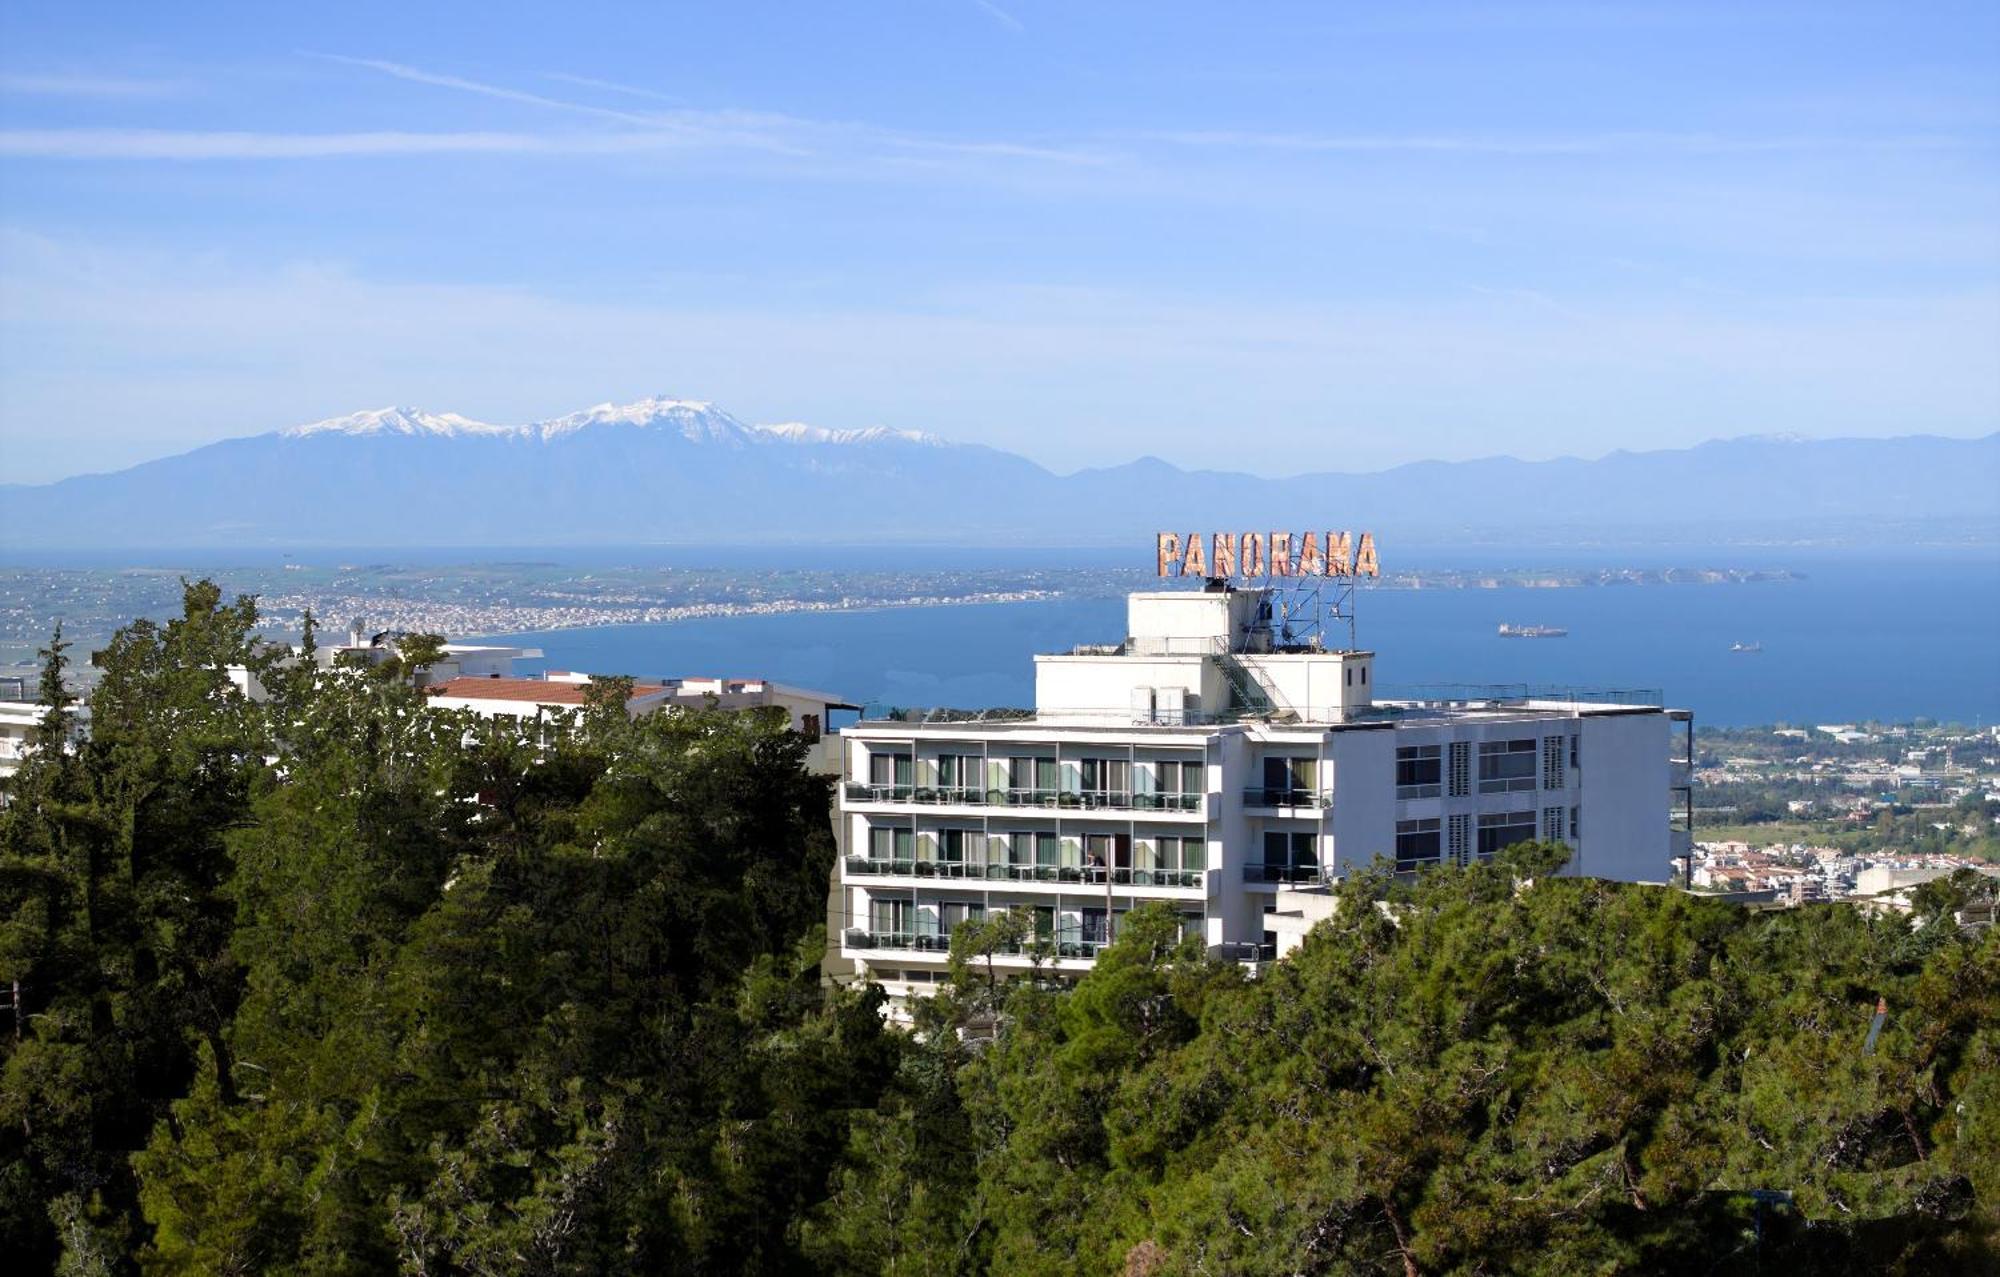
(1291, 799)
(1281, 873)
(1058, 799)
(1243, 951)
(929, 942)
(1082, 875)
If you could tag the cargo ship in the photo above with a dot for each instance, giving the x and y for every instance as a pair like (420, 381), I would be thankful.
(1532, 631)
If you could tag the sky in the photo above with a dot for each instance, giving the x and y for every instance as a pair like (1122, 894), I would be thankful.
(1274, 238)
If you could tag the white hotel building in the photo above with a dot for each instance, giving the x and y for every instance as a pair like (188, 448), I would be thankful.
(1199, 763)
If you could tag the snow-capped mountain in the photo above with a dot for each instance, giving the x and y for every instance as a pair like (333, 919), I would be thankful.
(396, 421)
(684, 470)
(694, 420)
(800, 432)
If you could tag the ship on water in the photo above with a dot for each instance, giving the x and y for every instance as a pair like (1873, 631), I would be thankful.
(1532, 631)
(1746, 647)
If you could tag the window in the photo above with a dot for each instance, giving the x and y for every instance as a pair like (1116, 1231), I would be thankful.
(1460, 837)
(1048, 776)
(1020, 773)
(1364, 676)
(1173, 861)
(1461, 768)
(1178, 778)
(1107, 778)
(958, 771)
(1288, 775)
(1106, 851)
(1021, 850)
(952, 844)
(1506, 766)
(1419, 771)
(1289, 857)
(1575, 753)
(1575, 824)
(1045, 850)
(1504, 829)
(952, 914)
(1350, 676)
(889, 769)
(1418, 843)
(892, 917)
(1096, 926)
(1552, 824)
(891, 844)
(1552, 762)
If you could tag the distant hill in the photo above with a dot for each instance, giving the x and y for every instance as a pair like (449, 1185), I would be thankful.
(668, 470)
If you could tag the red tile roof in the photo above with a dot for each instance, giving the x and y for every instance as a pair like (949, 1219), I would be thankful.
(540, 691)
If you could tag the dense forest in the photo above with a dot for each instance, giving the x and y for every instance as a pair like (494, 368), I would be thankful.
(335, 982)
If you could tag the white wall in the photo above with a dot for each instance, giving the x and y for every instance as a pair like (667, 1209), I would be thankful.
(1623, 793)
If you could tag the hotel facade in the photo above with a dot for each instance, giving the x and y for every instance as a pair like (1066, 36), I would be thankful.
(1205, 762)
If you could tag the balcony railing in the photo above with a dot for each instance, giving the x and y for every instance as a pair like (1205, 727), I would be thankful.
(1265, 797)
(931, 942)
(1281, 873)
(1090, 875)
(1064, 799)
(1243, 951)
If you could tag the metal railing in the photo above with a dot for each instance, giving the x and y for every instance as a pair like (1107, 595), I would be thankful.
(1076, 800)
(1151, 645)
(940, 943)
(1281, 873)
(1517, 695)
(1267, 797)
(1084, 875)
(1243, 951)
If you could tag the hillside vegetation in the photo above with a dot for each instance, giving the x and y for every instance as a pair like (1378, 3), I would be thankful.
(340, 984)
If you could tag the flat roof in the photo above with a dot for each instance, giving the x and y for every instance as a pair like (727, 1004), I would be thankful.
(536, 690)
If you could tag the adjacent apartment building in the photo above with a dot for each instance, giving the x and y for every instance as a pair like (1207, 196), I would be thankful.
(1204, 762)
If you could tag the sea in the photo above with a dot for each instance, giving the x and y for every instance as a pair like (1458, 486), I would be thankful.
(1856, 636)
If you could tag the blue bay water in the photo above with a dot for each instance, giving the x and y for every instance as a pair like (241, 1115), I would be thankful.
(1854, 640)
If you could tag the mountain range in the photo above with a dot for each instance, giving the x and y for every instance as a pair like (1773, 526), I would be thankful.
(682, 471)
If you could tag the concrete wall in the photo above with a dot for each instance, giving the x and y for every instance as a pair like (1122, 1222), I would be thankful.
(1623, 793)
(1104, 686)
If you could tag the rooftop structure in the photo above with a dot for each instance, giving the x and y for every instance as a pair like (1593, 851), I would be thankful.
(1210, 760)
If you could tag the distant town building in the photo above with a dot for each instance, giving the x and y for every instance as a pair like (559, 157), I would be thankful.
(1205, 762)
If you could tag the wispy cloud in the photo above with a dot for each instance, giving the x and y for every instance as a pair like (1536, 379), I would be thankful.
(829, 148)
(170, 144)
(89, 86)
(418, 75)
(1554, 144)
(850, 154)
(612, 86)
(1000, 15)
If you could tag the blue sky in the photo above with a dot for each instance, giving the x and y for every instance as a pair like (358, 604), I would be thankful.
(1272, 238)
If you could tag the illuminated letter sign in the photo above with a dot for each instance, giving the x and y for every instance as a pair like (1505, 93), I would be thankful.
(1222, 555)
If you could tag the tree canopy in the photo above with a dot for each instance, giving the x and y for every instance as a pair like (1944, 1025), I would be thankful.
(339, 982)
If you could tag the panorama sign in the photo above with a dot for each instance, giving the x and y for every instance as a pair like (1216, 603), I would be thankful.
(1220, 555)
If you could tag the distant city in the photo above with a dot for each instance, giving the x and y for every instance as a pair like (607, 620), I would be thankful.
(1843, 810)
